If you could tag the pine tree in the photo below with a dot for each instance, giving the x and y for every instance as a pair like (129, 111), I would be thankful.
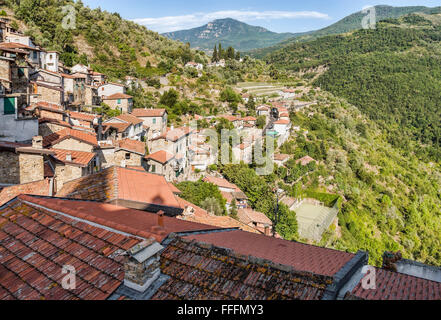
(221, 52)
(215, 57)
(230, 53)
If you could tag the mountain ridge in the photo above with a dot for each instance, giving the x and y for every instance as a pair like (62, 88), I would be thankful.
(229, 32)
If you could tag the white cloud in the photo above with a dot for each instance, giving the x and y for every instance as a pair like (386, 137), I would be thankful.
(174, 23)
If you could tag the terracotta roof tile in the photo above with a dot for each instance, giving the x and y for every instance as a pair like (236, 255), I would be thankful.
(83, 116)
(132, 145)
(161, 156)
(35, 245)
(122, 183)
(221, 182)
(175, 134)
(54, 138)
(397, 286)
(120, 127)
(146, 113)
(117, 96)
(129, 118)
(199, 272)
(40, 188)
(80, 158)
(300, 256)
(248, 216)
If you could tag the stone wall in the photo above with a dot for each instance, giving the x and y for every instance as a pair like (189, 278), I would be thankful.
(120, 156)
(73, 144)
(5, 73)
(48, 95)
(51, 115)
(9, 168)
(66, 173)
(48, 128)
(31, 167)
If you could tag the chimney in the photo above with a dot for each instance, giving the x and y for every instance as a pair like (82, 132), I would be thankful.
(142, 265)
(267, 230)
(161, 219)
(37, 142)
(69, 157)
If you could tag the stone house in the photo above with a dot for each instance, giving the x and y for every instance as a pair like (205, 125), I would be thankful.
(47, 77)
(162, 163)
(85, 120)
(46, 93)
(50, 60)
(136, 130)
(108, 89)
(124, 153)
(91, 97)
(70, 165)
(116, 131)
(155, 119)
(119, 101)
(243, 152)
(5, 74)
(22, 163)
(45, 110)
(49, 126)
(176, 142)
(98, 78)
(281, 159)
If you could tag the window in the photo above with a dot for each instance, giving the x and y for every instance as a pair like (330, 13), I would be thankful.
(35, 55)
(21, 72)
(9, 105)
(127, 156)
(154, 120)
(153, 169)
(119, 101)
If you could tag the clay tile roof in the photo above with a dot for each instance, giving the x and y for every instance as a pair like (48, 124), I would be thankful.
(221, 182)
(132, 145)
(281, 157)
(80, 158)
(47, 106)
(16, 45)
(117, 96)
(397, 286)
(36, 243)
(161, 156)
(230, 118)
(286, 122)
(131, 221)
(40, 188)
(122, 184)
(78, 76)
(305, 160)
(54, 138)
(175, 134)
(83, 116)
(48, 171)
(54, 121)
(129, 118)
(120, 127)
(249, 119)
(145, 113)
(248, 216)
(200, 272)
(301, 257)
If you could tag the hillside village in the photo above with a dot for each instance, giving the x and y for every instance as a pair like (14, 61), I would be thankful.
(103, 192)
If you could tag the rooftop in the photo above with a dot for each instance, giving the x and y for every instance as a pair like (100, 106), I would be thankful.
(301, 257)
(221, 182)
(36, 242)
(79, 158)
(117, 96)
(161, 156)
(141, 113)
(54, 138)
(201, 272)
(127, 187)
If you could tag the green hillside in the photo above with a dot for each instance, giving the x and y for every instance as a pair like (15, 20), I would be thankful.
(393, 74)
(109, 43)
(229, 32)
(350, 23)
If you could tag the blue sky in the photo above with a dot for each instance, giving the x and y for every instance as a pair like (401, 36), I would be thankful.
(275, 15)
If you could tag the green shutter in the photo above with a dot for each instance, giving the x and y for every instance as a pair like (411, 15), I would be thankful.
(9, 105)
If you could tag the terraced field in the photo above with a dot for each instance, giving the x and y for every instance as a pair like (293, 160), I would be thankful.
(260, 89)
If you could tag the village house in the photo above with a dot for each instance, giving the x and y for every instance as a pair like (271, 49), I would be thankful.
(288, 93)
(175, 142)
(243, 152)
(41, 92)
(82, 119)
(229, 191)
(47, 126)
(70, 164)
(22, 163)
(154, 119)
(98, 78)
(91, 97)
(47, 77)
(256, 220)
(70, 139)
(124, 153)
(163, 163)
(135, 130)
(305, 161)
(197, 66)
(281, 159)
(46, 110)
(119, 101)
(108, 89)
(282, 127)
(263, 110)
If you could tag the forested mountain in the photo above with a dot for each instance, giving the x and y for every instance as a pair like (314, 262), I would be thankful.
(392, 73)
(350, 23)
(109, 43)
(229, 32)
